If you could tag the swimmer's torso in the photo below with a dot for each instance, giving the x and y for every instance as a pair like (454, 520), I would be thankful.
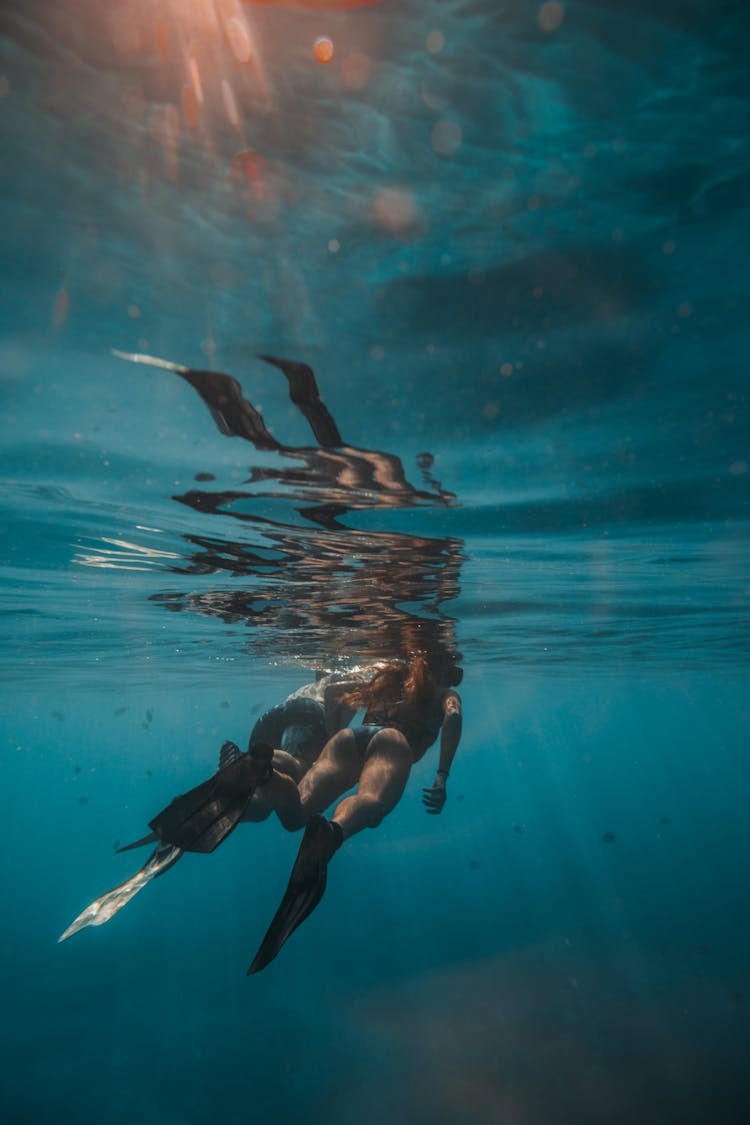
(419, 723)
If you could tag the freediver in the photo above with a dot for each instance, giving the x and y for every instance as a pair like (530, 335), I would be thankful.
(407, 705)
(247, 786)
(298, 729)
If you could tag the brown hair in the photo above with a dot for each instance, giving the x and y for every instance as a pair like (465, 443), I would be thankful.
(412, 682)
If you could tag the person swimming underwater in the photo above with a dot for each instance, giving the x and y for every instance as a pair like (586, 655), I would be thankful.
(407, 706)
(298, 729)
(246, 787)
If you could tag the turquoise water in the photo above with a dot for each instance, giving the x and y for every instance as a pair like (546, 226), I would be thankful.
(510, 237)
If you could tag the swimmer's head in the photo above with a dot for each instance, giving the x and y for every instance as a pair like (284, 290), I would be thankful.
(445, 668)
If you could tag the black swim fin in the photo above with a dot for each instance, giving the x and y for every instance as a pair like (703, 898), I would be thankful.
(199, 820)
(229, 753)
(305, 890)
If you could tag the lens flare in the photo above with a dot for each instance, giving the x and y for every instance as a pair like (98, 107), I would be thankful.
(162, 38)
(312, 5)
(190, 107)
(323, 49)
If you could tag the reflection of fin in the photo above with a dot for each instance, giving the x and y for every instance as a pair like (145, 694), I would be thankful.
(222, 394)
(105, 907)
(221, 423)
(304, 393)
(305, 890)
(229, 753)
(150, 361)
(199, 820)
(150, 839)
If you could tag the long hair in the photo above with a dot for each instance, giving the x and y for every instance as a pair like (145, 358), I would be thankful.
(396, 682)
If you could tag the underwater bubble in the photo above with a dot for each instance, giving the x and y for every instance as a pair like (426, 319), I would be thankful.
(435, 42)
(395, 209)
(551, 15)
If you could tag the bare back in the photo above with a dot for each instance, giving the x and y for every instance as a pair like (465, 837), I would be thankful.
(419, 723)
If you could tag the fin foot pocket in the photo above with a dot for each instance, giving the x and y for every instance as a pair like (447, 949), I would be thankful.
(199, 820)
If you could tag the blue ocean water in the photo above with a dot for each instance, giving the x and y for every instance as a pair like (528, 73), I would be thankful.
(509, 239)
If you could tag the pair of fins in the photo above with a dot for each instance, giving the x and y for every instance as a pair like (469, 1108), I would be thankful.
(199, 821)
(196, 821)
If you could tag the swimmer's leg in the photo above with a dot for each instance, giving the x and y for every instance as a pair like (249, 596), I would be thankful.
(381, 783)
(336, 770)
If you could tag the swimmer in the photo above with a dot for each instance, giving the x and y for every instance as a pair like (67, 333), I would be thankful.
(299, 728)
(406, 707)
(245, 787)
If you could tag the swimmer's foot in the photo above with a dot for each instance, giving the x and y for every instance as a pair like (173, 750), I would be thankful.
(198, 821)
(306, 886)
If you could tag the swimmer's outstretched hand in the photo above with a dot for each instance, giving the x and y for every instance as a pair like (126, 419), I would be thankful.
(436, 795)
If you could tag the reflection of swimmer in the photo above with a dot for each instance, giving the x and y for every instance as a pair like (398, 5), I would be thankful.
(325, 592)
(246, 787)
(407, 706)
(350, 477)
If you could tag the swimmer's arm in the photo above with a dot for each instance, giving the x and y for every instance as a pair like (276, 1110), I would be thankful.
(338, 713)
(288, 764)
(435, 796)
(450, 731)
(286, 802)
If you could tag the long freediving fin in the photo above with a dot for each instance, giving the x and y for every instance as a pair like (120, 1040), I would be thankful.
(305, 889)
(107, 905)
(199, 820)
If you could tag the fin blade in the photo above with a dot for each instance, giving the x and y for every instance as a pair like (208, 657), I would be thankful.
(304, 891)
(111, 902)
